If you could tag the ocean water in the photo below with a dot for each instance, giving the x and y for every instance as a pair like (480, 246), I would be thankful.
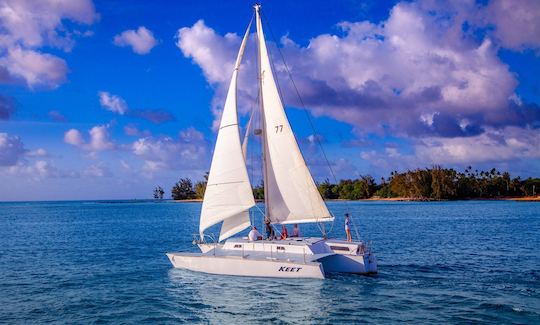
(104, 262)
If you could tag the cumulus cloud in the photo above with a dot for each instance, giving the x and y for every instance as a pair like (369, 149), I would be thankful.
(99, 139)
(215, 54)
(29, 25)
(11, 149)
(112, 103)
(73, 137)
(141, 41)
(491, 146)
(516, 23)
(15, 159)
(506, 148)
(33, 67)
(7, 107)
(189, 150)
(419, 74)
(39, 170)
(212, 52)
(386, 75)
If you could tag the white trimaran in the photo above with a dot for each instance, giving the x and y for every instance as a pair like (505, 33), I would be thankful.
(291, 197)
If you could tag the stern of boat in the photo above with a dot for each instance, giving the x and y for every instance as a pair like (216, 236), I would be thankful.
(350, 257)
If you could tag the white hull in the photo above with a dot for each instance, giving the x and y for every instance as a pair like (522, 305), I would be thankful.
(292, 258)
(236, 265)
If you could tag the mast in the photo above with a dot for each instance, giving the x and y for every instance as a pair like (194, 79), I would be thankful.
(258, 24)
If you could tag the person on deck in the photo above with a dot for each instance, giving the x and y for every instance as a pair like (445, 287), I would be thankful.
(284, 232)
(270, 235)
(295, 231)
(347, 227)
(254, 234)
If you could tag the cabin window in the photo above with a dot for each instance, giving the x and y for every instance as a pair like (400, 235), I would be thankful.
(280, 248)
(339, 248)
(237, 246)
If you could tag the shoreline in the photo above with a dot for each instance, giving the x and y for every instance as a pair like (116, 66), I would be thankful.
(408, 199)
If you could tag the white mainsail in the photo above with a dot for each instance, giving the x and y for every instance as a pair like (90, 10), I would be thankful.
(291, 194)
(228, 196)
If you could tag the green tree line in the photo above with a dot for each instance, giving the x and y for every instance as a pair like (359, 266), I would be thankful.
(435, 183)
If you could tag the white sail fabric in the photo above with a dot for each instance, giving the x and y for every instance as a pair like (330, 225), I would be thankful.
(291, 194)
(228, 196)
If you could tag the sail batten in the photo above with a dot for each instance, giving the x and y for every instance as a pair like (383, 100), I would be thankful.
(291, 195)
(228, 196)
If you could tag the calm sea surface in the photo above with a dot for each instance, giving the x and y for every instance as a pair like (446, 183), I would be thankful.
(104, 262)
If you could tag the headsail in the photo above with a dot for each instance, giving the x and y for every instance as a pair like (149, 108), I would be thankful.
(291, 194)
(228, 195)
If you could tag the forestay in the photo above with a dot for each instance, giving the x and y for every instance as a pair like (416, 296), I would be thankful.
(228, 195)
(292, 196)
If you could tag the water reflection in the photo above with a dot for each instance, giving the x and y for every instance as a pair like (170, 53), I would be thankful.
(229, 299)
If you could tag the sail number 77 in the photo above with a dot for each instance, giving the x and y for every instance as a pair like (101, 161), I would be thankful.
(279, 128)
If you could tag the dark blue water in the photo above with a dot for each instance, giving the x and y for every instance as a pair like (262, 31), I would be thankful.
(104, 262)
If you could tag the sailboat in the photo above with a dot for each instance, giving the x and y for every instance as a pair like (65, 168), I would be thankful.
(290, 195)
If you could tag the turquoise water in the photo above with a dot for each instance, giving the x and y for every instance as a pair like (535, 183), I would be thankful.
(104, 262)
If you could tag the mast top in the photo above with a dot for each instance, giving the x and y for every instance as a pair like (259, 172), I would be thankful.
(257, 7)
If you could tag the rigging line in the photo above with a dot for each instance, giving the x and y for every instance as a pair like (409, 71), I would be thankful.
(249, 147)
(289, 74)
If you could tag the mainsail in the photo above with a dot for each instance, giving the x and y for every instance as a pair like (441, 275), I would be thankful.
(291, 195)
(228, 196)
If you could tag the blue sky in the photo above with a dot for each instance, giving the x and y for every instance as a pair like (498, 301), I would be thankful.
(106, 99)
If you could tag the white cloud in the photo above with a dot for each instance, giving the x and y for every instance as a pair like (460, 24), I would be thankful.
(212, 52)
(417, 75)
(40, 152)
(382, 76)
(39, 170)
(189, 150)
(494, 145)
(99, 139)
(141, 40)
(35, 23)
(29, 25)
(112, 103)
(33, 67)
(517, 23)
(215, 54)
(11, 149)
(97, 170)
(73, 137)
(15, 159)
